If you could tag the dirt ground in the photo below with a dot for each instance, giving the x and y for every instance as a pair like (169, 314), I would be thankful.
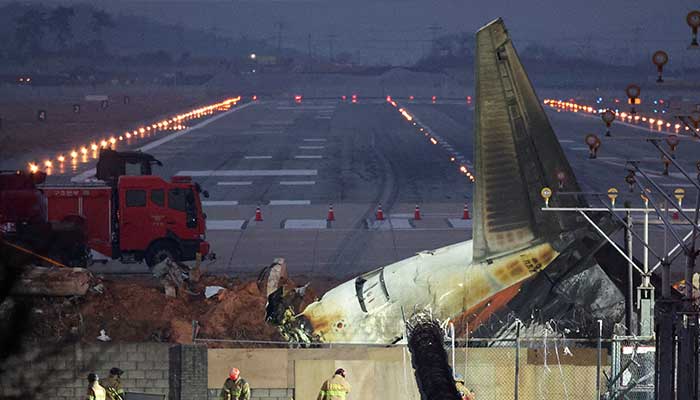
(22, 132)
(137, 310)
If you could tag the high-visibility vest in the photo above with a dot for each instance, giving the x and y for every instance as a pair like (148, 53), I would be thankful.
(335, 388)
(97, 392)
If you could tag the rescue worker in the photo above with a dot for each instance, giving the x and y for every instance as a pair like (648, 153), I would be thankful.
(113, 386)
(235, 387)
(95, 391)
(336, 388)
(464, 392)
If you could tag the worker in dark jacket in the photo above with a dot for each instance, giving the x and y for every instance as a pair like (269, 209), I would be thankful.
(336, 388)
(235, 387)
(114, 384)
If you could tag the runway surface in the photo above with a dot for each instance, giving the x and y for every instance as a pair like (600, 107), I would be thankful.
(295, 160)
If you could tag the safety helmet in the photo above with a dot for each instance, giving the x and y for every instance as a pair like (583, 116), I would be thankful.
(459, 378)
(92, 377)
(340, 372)
(116, 372)
(234, 373)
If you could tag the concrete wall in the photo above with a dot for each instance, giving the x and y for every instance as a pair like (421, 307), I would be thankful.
(62, 372)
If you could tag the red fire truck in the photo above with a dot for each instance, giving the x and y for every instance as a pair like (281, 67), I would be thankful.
(130, 218)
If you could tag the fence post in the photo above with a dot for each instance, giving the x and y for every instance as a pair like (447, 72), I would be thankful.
(517, 359)
(600, 359)
(452, 338)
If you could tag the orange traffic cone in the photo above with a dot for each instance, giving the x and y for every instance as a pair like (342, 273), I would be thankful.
(331, 214)
(416, 213)
(258, 214)
(465, 213)
(380, 213)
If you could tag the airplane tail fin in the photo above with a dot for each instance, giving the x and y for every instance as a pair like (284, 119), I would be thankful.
(517, 154)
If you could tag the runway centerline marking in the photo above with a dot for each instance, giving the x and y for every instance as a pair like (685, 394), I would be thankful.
(312, 147)
(308, 157)
(294, 183)
(217, 203)
(289, 202)
(226, 224)
(257, 157)
(314, 140)
(251, 172)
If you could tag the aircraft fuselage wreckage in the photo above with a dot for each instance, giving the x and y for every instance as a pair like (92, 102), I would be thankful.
(522, 263)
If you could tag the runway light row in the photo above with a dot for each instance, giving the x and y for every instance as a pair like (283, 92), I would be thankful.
(657, 124)
(433, 139)
(174, 123)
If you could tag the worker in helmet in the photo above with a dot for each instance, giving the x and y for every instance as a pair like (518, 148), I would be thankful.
(95, 391)
(464, 392)
(113, 386)
(335, 388)
(235, 387)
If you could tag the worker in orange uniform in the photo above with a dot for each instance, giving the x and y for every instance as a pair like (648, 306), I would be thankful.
(235, 387)
(464, 392)
(335, 388)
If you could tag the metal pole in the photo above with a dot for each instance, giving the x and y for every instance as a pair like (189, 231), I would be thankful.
(600, 358)
(517, 360)
(630, 277)
(452, 338)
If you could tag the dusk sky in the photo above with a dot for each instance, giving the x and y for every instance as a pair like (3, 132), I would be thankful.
(397, 29)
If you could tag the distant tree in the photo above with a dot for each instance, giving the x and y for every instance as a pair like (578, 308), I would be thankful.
(59, 23)
(29, 31)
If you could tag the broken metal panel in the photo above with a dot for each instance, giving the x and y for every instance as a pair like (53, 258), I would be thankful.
(443, 280)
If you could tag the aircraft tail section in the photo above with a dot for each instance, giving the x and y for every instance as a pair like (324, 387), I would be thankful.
(517, 154)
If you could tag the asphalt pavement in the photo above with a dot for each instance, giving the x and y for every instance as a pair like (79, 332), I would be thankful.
(296, 160)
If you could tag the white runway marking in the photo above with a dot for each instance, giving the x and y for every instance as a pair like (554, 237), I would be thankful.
(312, 147)
(566, 141)
(388, 224)
(305, 224)
(308, 157)
(314, 140)
(293, 183)
(91, 172)
(251, 172)
(219, 203)
(257, 157)
(290, 202)
(225, 224)
(579, 148)
(322, 117)
(458, 223)
(235, 183)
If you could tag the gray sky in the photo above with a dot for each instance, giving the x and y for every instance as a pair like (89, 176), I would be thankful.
(400, 28)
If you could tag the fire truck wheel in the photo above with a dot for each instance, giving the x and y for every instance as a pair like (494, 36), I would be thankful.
(159, 251)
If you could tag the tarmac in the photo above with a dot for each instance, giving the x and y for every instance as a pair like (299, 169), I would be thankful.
(295, 160)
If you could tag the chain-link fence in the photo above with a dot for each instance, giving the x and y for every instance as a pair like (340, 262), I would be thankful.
(492, 368)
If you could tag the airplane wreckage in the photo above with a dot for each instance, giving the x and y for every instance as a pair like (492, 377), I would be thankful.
(523, 264)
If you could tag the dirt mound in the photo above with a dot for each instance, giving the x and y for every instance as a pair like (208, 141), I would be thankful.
(137, 310)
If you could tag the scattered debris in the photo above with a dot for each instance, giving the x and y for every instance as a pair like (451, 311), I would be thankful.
(211, 291)
(59, 282)
(103, 336)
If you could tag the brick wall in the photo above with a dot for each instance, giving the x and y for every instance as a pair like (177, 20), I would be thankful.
(188, 372)
(62, 373)
(260, 394)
